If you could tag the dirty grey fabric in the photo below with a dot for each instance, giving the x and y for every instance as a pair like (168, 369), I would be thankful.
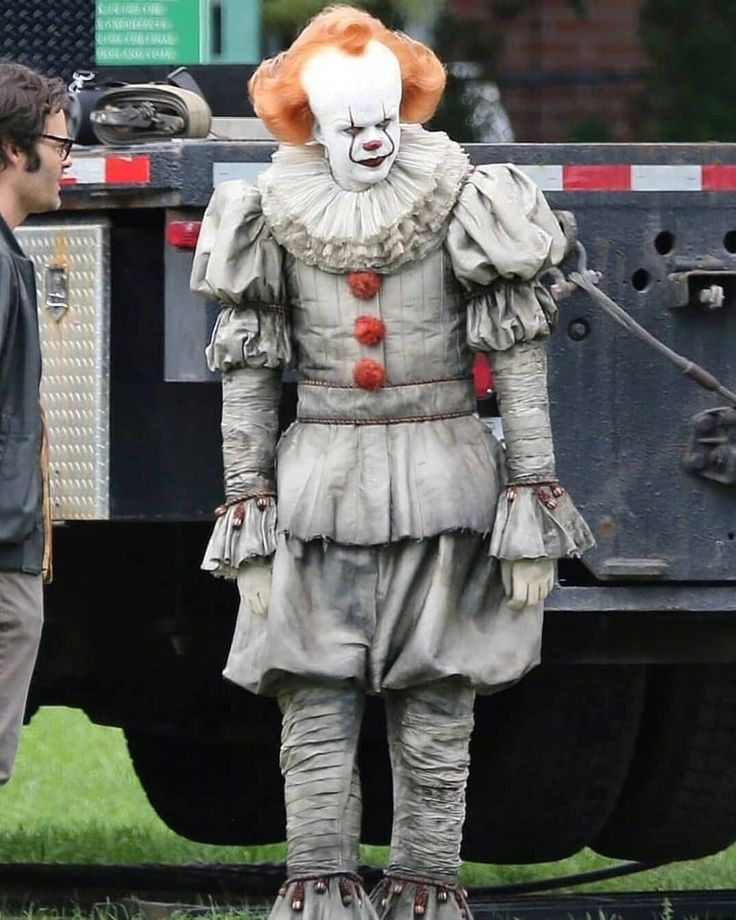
(250, 346)
(409, 400)
(250, 399)
(234, 542)
(524, 527)
(502, 227)
(396, 899)
(429, 730)
(508, 313)
(386, 617)
(237, 260)
(250, 337)
(375, 484)
(328, 905)
(520, 381)
(395, 221)
(319, 739)
(21, 619)
(421, 306)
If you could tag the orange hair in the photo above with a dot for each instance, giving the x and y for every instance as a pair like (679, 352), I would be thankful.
(276, 89)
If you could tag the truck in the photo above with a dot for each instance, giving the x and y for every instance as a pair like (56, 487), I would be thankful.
(623, 739)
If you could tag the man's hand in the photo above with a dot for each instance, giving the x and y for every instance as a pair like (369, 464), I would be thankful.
(254, 584)
(527, 581)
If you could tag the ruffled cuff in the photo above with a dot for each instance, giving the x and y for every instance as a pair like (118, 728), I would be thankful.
(509, 313)
(328, 897)
(242, 532)
(257, 336)
(528, 528)
(398, 898)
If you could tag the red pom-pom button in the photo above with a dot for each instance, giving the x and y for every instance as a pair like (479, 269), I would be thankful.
(364, 285)
(369, 374)
(369, 330)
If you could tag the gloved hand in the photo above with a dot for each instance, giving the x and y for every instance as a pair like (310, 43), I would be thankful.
(527, 581)
(254, 584)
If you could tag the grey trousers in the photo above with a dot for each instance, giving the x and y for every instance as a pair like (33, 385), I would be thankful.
(429, 730)
(21, 618)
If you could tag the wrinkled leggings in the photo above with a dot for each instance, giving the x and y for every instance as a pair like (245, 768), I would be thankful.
(429, 732)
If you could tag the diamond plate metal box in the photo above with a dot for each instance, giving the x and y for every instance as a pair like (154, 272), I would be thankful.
(72, 278)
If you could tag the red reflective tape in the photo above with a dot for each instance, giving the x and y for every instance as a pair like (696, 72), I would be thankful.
(128, 170)
(596, 178)
(719, 178)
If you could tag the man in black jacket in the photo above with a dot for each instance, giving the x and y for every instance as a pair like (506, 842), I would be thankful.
(34, 151)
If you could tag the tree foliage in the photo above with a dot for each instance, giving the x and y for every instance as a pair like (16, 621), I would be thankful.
(691, 88)
(285, 18)
(456, 37)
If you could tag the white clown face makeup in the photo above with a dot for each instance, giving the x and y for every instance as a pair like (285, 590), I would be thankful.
(355, 101)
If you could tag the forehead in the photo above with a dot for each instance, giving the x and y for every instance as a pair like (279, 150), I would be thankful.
(366, 86)
(55, 124)
(358, 109)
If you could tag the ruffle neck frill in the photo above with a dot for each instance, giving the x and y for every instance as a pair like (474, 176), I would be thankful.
(398, 220)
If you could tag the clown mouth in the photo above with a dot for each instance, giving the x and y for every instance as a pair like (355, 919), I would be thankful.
(372, 163)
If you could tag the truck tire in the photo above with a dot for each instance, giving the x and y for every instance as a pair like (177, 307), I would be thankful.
(548, 760)
(679, 800)
(221, 792)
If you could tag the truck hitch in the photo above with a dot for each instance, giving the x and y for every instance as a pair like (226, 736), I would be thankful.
(711, 449)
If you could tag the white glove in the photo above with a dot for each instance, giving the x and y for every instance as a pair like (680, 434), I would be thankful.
(527, 581)
(254, 584)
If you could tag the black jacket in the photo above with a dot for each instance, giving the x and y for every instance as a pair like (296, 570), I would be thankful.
(21, 490)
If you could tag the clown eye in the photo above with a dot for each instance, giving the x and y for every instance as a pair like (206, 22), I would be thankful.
(352, 130)
(384, 124)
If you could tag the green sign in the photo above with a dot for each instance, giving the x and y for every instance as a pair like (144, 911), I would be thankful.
(150, 32)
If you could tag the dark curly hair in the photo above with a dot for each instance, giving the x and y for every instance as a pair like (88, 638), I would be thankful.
(26, 99)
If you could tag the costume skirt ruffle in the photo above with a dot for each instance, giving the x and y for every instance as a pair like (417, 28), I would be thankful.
(387, 617)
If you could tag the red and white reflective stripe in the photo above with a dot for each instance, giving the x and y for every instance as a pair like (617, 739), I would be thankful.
(110, 170)
(612, 177)
(636, 177)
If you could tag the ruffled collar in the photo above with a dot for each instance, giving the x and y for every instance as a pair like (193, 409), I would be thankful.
(398, 220)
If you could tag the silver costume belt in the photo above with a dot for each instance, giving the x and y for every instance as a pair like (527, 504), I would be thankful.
(421, 401)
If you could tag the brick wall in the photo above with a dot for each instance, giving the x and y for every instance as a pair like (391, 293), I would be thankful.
(561, 74)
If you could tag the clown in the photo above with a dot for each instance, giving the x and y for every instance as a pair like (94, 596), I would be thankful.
(393, 548)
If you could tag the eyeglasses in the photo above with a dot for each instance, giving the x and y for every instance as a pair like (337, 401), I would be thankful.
(65, 144)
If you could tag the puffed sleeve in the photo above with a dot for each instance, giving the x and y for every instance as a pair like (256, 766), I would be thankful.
(238, 263)
(502, 236)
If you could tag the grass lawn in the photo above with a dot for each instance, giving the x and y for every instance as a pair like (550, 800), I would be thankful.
(75, 798)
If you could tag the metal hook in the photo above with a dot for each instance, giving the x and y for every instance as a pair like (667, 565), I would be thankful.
(80, 79)
(560, 286)
(582, 257)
